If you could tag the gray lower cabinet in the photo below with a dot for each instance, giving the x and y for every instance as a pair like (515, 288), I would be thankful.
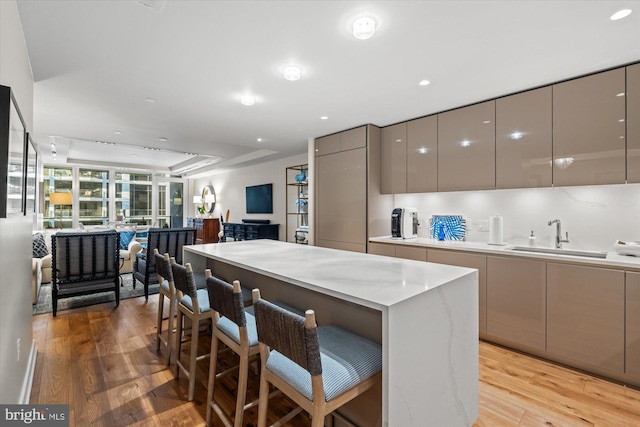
(516, 301)
(632, 347)
(586, 315)
(479, 262)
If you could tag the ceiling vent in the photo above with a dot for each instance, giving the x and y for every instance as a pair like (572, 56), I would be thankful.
(156, 5)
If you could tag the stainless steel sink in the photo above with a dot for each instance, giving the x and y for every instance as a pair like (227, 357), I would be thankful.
(571, 252)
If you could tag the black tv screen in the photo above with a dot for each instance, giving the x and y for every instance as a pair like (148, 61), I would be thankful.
(260, 199)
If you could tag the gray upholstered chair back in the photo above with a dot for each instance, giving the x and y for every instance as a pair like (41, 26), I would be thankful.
(85, 256)
(285, 332)
(227, 303)
(169, 240)
(163, 267)
(184, 280)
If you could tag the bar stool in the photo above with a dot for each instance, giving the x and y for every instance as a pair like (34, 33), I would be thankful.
(319, 368)
(168, 290)
(237, 330)
(194, 304)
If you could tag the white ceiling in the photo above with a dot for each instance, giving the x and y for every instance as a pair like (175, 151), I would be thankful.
(95, 63)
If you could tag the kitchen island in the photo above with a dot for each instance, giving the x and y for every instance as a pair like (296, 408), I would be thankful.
(424, 315)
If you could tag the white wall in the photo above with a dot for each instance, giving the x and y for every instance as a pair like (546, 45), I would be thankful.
(594, 216)
(17, 352)
(230, 190)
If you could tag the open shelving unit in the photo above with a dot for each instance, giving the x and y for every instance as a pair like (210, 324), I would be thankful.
(297, 204)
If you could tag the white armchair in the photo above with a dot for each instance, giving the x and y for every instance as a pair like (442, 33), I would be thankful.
(129, 255)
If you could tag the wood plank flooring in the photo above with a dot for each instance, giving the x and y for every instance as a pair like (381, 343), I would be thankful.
(102, 360)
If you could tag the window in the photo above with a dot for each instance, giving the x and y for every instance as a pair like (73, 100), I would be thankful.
(133, 197)
(94, 196)
(57, 180)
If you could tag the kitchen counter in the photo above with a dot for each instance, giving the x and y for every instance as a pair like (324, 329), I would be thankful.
(613, 259)
(424, 315)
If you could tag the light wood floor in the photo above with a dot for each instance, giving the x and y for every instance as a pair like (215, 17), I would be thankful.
(102, 360)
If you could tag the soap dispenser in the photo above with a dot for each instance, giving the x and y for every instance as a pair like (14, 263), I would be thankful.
(532, 239)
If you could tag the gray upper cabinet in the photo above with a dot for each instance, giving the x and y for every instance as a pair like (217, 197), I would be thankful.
(633, 123)
(394, 159)
(585, 315)
(422, 155)
(524, 139)
(327, 144)
(343, 141)
(589, 130)
(467, 148)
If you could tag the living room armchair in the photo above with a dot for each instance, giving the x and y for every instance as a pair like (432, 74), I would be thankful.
(84, 263)
(129, 255)
(166, 240)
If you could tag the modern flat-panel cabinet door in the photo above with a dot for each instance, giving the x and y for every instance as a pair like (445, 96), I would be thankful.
(633, 123)
(341, 195)
(327, 144)
(394, 159)
(353, 138)
(479, 262)
(632, 344)
(422, 155)
(517, 301)
(411, 252)
(382, 249)
(467, 148)
(524, 139)
(585, 315)
(589, 130)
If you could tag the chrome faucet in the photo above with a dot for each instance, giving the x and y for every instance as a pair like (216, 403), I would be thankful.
(559, 239)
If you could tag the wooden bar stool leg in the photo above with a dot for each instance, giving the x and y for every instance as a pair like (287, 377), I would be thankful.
(212, 377)
(159, 324)
(170, 328)
(180, 320)
(242, 386)
(263, 401)
(195, 329)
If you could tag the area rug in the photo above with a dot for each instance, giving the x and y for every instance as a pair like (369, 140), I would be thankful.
(45, 304)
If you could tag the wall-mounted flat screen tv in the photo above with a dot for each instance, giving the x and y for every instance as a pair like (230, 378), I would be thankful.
(260, 198)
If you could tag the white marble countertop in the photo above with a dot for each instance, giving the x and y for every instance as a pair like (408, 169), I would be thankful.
(370, 280)
(613, 259)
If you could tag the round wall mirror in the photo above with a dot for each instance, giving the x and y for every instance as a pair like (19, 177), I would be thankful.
(208, 198)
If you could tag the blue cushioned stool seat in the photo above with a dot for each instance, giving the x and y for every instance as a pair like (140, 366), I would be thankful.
(203, 301)
(231, 330)
(347, 359)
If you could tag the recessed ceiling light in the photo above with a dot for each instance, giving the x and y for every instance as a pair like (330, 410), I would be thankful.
(150, 100)
(117, 132)
(324, 117)
(292, 72)
(424, 82)
(516, 135)
(163, 139)
(620, 14)
(364, 28)
(465, 143)
(423, 150)
(247, 99)
(259, 139)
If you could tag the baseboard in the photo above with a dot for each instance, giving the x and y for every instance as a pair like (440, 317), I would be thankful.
(25, 393)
